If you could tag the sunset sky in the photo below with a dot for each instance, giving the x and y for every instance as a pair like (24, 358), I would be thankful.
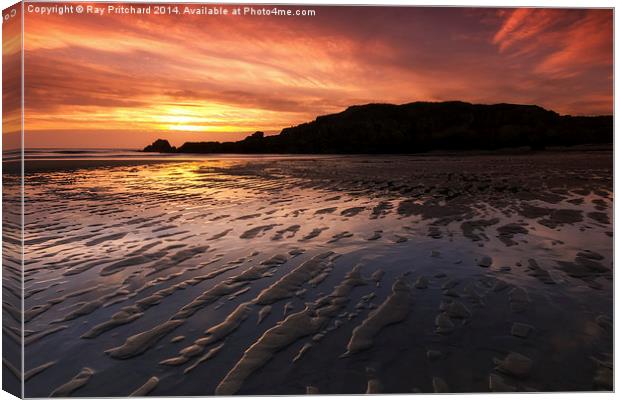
(122, 81)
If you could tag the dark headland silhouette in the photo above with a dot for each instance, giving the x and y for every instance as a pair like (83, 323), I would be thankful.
(418, 127)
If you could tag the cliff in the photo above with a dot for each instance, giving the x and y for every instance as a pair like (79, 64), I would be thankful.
(419, 127)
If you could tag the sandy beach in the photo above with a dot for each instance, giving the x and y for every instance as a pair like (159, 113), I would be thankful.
(333, 274)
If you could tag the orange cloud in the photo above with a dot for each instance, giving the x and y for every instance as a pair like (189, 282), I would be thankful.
(203, 78)
(524, 24)
(587, 44)
(11, 78)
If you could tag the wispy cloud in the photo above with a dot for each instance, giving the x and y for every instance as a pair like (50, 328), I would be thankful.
(561, 42)
(230, 76)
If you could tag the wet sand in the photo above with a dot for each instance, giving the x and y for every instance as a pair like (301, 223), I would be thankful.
(320, 275)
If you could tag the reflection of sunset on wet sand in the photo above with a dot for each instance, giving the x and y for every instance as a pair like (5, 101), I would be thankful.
(287, 275)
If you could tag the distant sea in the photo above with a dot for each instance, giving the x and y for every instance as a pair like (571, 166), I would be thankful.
(130, 154)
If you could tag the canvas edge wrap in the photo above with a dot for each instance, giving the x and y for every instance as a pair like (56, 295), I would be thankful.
(12, 201)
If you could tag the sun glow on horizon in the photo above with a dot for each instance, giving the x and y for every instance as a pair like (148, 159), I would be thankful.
(159, 75)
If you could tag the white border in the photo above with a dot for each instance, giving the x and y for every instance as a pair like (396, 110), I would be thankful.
(479, 3)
